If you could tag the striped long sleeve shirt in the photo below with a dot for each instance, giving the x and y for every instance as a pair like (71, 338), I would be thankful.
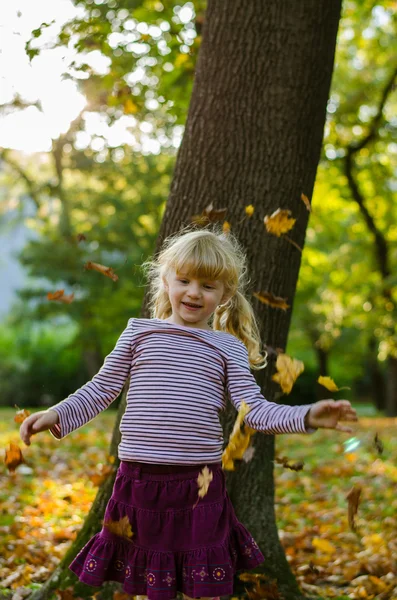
(180, 379)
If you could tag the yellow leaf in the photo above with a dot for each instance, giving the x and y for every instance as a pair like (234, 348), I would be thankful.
(203, 480)
(130, 108)
(121, 528)
(289, 370)
(324, 545)
(226, 227)
(279, 222)
(239, 439)
(249, 210)
(329, 383)
(181, 59)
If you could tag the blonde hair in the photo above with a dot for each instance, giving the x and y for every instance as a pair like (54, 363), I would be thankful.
(208, 253)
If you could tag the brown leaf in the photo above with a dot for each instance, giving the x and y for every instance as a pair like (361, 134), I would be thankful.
(13, 457)
(263, 587)
(274, 301)
(121, 528)
(108, 271)
(279, 222)
(353, 498)
(378, 444)
(209, 215)
(284, 461)
(289, 370)
(81, 237)
(306, 200)
(59, 296)
(21, 415)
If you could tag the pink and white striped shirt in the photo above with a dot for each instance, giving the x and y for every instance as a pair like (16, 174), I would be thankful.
(180, 377)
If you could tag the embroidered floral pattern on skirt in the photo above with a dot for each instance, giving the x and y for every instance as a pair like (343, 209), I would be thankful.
(175, 547)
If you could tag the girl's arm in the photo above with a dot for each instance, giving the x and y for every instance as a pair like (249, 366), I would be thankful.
(273, 418)
(88, 401)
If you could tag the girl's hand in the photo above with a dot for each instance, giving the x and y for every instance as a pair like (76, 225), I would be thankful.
(39, 421)
(328, 413)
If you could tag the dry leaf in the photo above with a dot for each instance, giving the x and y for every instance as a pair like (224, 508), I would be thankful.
(263, 587)
(306, 200)
(274, 301)
(21, 415)
(378, 444)
(249, 210)
(203, 481)
(289, 370)
(108, 271)
(121, 528)
(59, 296)
(279, 222)
(324, 545)
(81, 237)
(226, 227)
(13, 457)
(329, 383)
(239, 440)
(283, 460)
(353, 498)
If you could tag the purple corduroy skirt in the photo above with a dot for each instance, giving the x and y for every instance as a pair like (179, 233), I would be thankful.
(177, 545)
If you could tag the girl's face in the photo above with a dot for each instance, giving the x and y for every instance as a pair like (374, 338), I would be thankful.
(193, 300)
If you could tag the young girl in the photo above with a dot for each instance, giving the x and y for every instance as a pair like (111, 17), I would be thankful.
(199, 344)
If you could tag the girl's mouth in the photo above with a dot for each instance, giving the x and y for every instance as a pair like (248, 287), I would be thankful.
(191, 306)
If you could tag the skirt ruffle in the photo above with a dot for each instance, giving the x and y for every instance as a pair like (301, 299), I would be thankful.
(177, 546)
(160, 575)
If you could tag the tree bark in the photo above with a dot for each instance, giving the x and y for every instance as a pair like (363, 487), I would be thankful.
(253, 136)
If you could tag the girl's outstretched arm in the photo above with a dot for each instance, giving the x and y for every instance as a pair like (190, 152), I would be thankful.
(87, 402)
(40, 421)
(270, 417)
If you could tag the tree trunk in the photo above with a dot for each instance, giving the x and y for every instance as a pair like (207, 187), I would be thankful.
(253, 136)
(391, 387)
(322, 358)
(377, 383)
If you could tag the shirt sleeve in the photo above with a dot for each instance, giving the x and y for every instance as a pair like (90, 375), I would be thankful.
(265, 416)
(96, 395)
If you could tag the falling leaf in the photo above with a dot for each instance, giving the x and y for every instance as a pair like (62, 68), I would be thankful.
(59, 296)
(378, 444)
(209, 215)
(289, 370)
(279, 222)
(274, 301)
(249, 210)
(353, 498)
(239, 439)
(13, 457)
(108, 271)
(324, 545)
(130, 108)
(121, 528)
(203, 481)
(81, 237)
(329, 383)
(226, 227)
(306, 201)
(283, 460)
(21, 415)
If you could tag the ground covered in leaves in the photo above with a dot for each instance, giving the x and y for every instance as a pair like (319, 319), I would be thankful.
(43, 505)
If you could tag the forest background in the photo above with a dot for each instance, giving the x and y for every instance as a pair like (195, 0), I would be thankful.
(94, 196)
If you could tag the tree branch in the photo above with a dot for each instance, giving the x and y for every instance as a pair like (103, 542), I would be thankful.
(32, 188)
